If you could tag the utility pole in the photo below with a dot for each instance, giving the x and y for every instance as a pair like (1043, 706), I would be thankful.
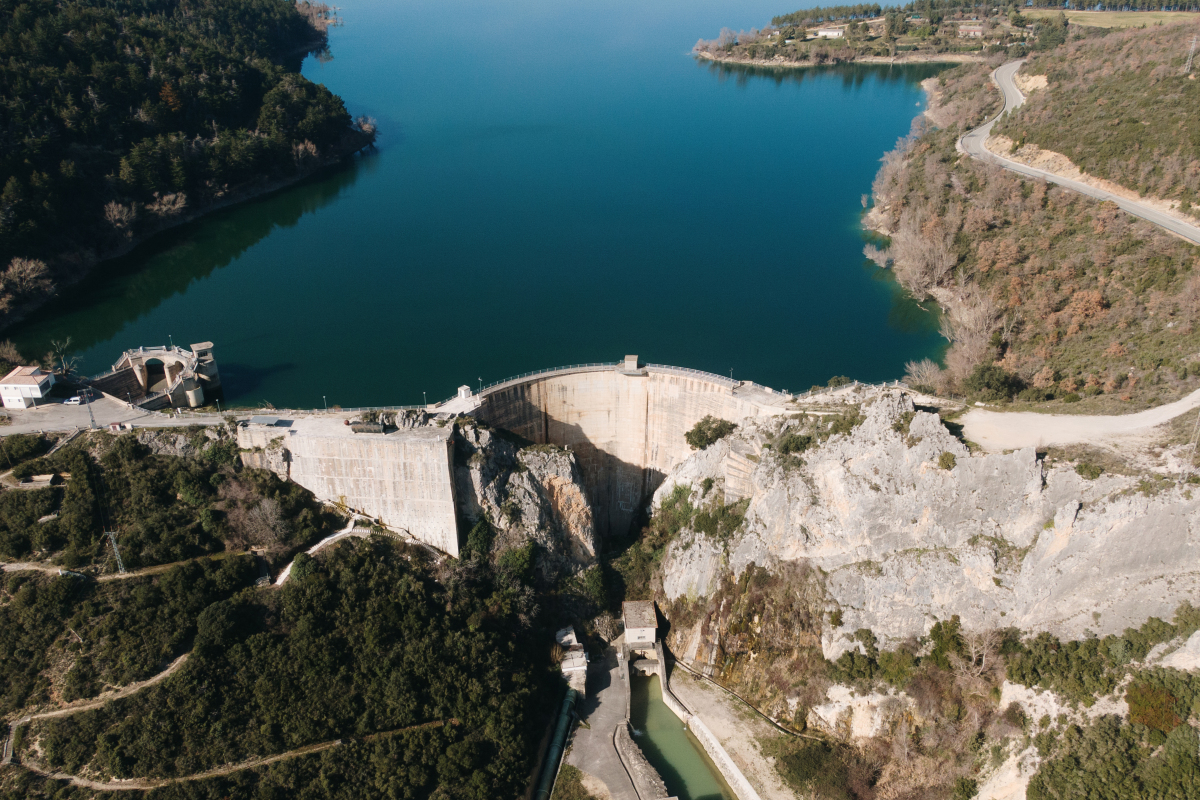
(326, 402)
(1187, 70)
(86, 394)
(481, 385)
(112, 538)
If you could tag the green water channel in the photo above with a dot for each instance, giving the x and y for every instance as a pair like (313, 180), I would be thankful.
(677, 755)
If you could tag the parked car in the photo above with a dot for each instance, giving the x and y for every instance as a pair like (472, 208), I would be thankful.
(73, 401)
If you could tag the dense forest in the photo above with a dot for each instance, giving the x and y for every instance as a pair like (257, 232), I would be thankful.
(1120, 107)
(119, 116)
(164, 508)
(438, 674)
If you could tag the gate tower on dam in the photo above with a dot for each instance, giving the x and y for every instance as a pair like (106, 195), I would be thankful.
(625, 423)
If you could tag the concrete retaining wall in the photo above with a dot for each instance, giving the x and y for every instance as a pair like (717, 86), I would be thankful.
(708, 740)
(626, 428)
(403, 478)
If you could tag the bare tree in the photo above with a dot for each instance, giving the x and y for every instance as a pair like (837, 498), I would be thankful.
(120, 216)
(26, 276)
(881, 257)
(924, 373)
(168, 205)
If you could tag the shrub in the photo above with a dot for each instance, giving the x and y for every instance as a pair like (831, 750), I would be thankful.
(947, 460)
(1153, 707)
(793, 442)
(990, 382)
(1089, 471)
(708, 431)
(838, 380)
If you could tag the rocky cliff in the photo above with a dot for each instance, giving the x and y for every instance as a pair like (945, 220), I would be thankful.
(907, 527)
(526, 494)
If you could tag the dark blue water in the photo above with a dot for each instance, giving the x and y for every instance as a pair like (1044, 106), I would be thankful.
(555, 183)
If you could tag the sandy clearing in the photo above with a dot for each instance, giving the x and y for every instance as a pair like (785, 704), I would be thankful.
(737, 728)
(996, 430)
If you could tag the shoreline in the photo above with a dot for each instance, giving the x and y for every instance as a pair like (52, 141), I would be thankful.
(779, 62)
(73, 267)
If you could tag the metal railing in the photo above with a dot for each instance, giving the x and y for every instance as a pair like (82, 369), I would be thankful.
(593, 367)
(708, 376)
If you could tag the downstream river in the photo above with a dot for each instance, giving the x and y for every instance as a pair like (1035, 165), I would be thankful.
(554, 183)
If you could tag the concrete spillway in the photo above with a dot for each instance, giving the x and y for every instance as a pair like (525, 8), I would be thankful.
(625, 424)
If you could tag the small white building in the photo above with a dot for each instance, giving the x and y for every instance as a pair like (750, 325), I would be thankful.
(641, 623)
(830, 33)
(25, 387)
(575, 659)
(970, 31)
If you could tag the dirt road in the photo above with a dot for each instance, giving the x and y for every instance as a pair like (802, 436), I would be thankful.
(997, 430)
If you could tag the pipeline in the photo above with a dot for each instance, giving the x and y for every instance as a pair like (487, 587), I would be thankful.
(550, 771)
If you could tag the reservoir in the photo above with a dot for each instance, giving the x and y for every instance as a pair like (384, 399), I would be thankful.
(679, 759)
(554, 183)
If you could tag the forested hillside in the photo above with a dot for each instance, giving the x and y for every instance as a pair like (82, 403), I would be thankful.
(1049, 295)
(1120, 107)
(435, 676)
(119, 116)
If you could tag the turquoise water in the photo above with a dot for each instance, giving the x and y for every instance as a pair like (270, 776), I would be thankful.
(555, 183)
(680, 760)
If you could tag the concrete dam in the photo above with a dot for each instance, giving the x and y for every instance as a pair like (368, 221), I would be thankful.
(625, 423)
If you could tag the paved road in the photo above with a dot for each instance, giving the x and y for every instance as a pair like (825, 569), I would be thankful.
(973, 145)
(997, 430)
(592, 748)
(59, 417)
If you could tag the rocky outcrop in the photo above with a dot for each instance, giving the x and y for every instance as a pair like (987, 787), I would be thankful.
(165, 442)
(646, 780)
(527, 494)
(909, 527)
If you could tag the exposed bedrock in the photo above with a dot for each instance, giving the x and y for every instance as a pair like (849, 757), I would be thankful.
(532, 494)
(1000, 540)
(626, 428)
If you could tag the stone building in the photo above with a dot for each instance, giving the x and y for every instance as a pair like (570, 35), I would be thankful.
(162, 377)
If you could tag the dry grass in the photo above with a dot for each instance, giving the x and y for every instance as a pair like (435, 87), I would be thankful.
(1117, 19)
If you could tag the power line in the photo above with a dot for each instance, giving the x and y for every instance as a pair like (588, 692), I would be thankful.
(112, 538)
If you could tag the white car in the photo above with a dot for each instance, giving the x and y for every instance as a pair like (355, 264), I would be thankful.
(77, 400)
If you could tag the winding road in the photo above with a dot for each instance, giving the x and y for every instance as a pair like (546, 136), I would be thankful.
(973, 145)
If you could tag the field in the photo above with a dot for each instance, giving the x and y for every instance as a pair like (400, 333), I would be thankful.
(1116, 19)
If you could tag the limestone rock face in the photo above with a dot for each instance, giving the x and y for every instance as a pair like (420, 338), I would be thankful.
(1000, 540)
(533, 494)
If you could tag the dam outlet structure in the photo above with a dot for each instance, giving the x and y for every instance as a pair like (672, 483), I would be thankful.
(625, 422)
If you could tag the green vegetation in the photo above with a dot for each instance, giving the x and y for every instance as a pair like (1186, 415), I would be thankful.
(570, 785)
(1121, 108)
(1109, 760)
(72, 636)
(947, 460)
(165, 509)
(708, 431)
(1083, 670)
(1088, 470)
(124, 115)
(365, 642)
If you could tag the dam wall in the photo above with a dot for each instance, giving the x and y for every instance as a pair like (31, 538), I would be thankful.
(403, 478)
(625, 423)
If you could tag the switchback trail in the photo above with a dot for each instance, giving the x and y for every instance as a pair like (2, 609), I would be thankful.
(143, 784)
(974, 145)
(87, 705)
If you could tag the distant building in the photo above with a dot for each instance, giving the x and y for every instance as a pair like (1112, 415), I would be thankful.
(25, 387)
(641, 623)
(970, 31)
(830, 33)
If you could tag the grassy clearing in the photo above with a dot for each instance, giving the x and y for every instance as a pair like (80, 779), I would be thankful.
(1115, 19)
